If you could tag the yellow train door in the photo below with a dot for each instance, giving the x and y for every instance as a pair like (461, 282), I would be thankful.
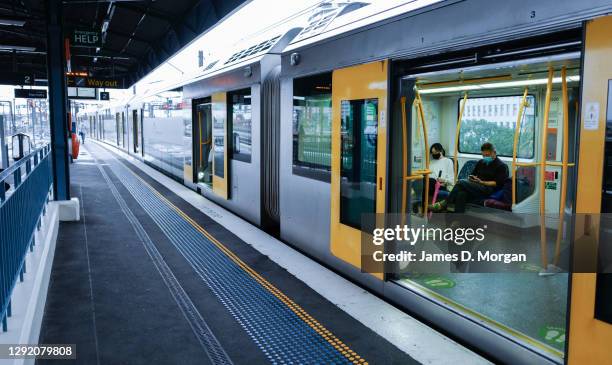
(220, 148)
(358, 167)
(590, 339)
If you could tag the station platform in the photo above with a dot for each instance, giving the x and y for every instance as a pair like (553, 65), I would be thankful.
(154, 273)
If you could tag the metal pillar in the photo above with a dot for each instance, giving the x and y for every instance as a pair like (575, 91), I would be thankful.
(57, 101)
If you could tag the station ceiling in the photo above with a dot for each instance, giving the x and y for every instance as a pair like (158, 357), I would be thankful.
(137, 35)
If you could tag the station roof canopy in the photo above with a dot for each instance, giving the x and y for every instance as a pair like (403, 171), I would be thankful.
(136, 35)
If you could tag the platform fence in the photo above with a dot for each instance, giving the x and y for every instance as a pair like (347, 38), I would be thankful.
(24, 193)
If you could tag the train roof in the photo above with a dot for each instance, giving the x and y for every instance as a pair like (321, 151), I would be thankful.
(428, 27)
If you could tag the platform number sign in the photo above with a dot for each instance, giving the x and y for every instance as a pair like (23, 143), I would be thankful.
(16, 78)
(104, 95)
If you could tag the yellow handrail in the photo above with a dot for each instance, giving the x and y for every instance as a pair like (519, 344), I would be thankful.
(564, 164)
(404, 157)
(422, 174)
(517, 132)
(543, 169)
(421, 117)
(456, 162)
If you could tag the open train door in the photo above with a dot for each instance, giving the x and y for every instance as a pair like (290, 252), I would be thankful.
(220, 149)
(590, 331)
(358, 167)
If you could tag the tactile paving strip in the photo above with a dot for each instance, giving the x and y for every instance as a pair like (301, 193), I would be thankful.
(207, 339)
(284, 332)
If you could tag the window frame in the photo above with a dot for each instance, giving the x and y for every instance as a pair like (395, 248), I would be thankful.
(535, 124)
(304, 169)
(243, 157)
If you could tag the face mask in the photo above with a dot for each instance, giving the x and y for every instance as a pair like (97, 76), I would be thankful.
(436, 155)
(487, 160)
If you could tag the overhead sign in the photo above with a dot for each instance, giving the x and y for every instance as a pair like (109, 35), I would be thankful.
(104, 95)
(73, 81)
(16, 78)
(85, 38)
(82, 93)
(31, 93)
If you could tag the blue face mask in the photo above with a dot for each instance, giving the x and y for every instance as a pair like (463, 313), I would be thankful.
(487, 159)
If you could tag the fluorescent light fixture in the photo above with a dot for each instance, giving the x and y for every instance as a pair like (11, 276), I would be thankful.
(17, 48)
(497, 85)
(13, 22)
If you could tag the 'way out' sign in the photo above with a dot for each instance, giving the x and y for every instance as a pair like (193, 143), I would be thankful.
(85, 38)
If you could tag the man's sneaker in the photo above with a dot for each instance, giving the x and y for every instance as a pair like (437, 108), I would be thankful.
(438, 206)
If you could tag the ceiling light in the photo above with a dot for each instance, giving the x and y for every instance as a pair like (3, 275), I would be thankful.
(13, 22)
(17, 48)
(497, 85)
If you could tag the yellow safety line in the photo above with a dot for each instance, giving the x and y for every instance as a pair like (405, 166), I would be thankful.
(301, 313)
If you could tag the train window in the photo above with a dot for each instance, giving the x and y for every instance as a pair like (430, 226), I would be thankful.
(359, 131)
(203, 142)
(493, 119)
(603, 293)
(312, 108)
(239, 107)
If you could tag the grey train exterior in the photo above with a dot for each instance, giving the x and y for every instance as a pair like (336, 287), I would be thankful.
(268, 193)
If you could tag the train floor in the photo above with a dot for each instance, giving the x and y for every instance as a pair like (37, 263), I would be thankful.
(146, 277)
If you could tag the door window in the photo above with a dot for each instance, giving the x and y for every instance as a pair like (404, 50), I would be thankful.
(203, 137)
(359, 128)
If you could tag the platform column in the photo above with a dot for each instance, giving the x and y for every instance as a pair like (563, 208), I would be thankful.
(57, 101)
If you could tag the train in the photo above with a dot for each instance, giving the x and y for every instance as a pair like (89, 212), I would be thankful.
(302, 130)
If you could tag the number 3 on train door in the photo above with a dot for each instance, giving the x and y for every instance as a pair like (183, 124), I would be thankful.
(359, 102)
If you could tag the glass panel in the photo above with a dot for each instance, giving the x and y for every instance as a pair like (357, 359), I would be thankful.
(359, 128)
(218, 130)
(135, 130)
(312, 123)
(163, 134)
(240, 107)
(118, 128)
(493, 119)
(204, 137)
(603, 298)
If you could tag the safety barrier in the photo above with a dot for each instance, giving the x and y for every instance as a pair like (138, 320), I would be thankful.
(21, 210)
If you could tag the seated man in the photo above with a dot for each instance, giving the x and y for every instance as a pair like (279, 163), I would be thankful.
(488, 176)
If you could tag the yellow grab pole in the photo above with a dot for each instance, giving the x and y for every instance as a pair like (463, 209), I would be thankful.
(457, 136)
(421, 115)
(543, 169)
(404, 156)
(564, 166)
(517, 133)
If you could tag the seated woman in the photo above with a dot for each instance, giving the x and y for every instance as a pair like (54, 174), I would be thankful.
(442, 171)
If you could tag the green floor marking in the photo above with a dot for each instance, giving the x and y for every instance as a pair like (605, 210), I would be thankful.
(437, 282)
(529, 267)
(553, 334)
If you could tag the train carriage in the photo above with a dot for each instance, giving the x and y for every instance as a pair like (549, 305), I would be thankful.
(305, 130)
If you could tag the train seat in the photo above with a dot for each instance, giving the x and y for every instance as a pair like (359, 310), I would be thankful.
(501, 199)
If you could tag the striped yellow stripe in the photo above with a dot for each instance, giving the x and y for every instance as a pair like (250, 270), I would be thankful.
(299, 311)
